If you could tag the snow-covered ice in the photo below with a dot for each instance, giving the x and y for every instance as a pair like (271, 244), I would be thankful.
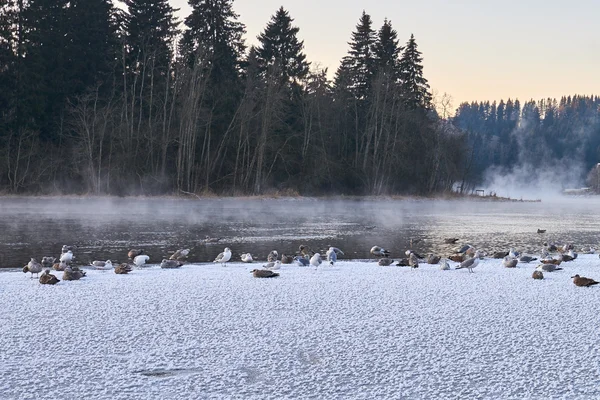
(352, 331)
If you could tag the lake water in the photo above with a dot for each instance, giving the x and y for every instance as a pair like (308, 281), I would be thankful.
(106, 228)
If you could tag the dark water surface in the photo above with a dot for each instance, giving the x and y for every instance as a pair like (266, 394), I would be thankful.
(106, 228)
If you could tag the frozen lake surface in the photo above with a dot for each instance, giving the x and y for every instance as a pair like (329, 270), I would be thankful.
(106, 228)
(352, 331)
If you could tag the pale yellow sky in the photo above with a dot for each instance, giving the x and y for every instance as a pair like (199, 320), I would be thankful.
(472, 49)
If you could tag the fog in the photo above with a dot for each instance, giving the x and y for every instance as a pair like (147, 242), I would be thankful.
(106, 228)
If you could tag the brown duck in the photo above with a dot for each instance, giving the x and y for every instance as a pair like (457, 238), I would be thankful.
(264, 273)
(48, 279)
(552, 261)
(433, 259)
(583, 281)
(537, 275)
(72, 274)
(457, 258)
(123, 268)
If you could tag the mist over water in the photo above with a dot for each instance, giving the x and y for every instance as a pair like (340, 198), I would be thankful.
(106, 228)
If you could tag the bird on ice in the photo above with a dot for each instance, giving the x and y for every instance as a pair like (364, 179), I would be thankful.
(67, 248)
(180, 255)
(47, 262)
(47, 278)
(548, 267)
(224, 256)
(302, 261)
(72, 274)
(34, 267)
(273, 265)
(331, 255)
(510, 262)
(273, 255)
(285, 259)
(264, 273)
(102, 264)
(123, 268)
(471, 262)
(379, 251)
(526, 259)
(133, 253)
(433, 259)
(583, 281)
(247, 258)
(537, 274)
(384, 262)
(67, 256)
(413, 260)
(140, 260)
(170, 264)
(59, 266)
(315, 260)
(305, 250)
(444, 266)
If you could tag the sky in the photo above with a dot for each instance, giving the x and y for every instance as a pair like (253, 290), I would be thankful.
(472, 49)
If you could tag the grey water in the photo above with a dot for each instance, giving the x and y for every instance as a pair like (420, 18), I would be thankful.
(106, 228)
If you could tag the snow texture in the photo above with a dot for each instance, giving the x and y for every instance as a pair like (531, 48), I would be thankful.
(350, 331)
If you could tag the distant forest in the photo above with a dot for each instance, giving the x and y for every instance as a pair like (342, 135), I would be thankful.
(100, 99)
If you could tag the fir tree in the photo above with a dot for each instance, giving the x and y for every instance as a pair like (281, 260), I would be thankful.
(415, 88)
(387, 51)
(281, 51)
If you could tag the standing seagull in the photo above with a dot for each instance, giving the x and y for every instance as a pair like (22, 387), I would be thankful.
(34, 267)
(315, 260)
(224, 256)
(140, 260)
(471, 262)
(331, 255)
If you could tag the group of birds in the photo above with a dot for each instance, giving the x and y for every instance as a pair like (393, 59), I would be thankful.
(72, 273)
(467, 257)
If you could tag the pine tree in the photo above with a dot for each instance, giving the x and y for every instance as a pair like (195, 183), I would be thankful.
(387, 51)
(280, 51)
(360, 62)
(414, 86)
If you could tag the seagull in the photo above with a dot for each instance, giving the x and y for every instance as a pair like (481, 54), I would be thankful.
(170, 264)
(302, 261)
(510, 262)
(337, 251)
(527, 259)
(224, 256)
(413, 260)
(315, 260)
(67, 256)
(463, 249)
(470, 263)
(583, 281)
(133, 253)
(140, 260)
(102, 264)
(66, 248)
(433, 259)
(384, 262)
(34, 267)
(71, 274)
(500, 254)
(273, 265)
(379, 251)
(572, 254)
(273, 255)
(47, 262)
(331, 255)
(264, 273)
(180, 255)
(123, 268)
(247, 258)
(444, 266)
(513, 253)
(48, 279)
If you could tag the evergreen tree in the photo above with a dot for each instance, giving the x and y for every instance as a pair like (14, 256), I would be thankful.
(280, 51)
(387, 51)
(414, 86)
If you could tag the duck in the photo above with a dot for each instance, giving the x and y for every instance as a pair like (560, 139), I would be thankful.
(34, 267)
(247, 258)
(457, 258)
(170, 264)
(583, 281)
(72, 274)
(510, 262)
(384, 262)
(264, 273)
(403, 262)
(273, 255)
(379, 251)
(47, 262)
(224, 256)
(286, 259)
(123, 268)
(59, 266)
(133, 253)
(140, 260)
(305, 250)
(102, 265)
(413, 260)
(537, 275)
(180, 255)
(315, 260)
(433, 259)
(47, 278)
(551, 261)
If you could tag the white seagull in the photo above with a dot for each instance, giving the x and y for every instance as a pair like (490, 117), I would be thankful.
(247, 258)
(471, 262)
(67, 257)
(224, 256)
(315, 260)
(140, 260)
(332, 255)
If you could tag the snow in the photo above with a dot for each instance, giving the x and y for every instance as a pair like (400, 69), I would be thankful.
(352, 331)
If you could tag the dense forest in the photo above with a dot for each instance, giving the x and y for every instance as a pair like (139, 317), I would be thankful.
(128, 100)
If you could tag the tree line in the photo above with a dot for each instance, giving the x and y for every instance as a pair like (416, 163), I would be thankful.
(549, 135)
(106, 100)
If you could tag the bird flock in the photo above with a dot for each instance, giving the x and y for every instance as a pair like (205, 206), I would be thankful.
(463, 257)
